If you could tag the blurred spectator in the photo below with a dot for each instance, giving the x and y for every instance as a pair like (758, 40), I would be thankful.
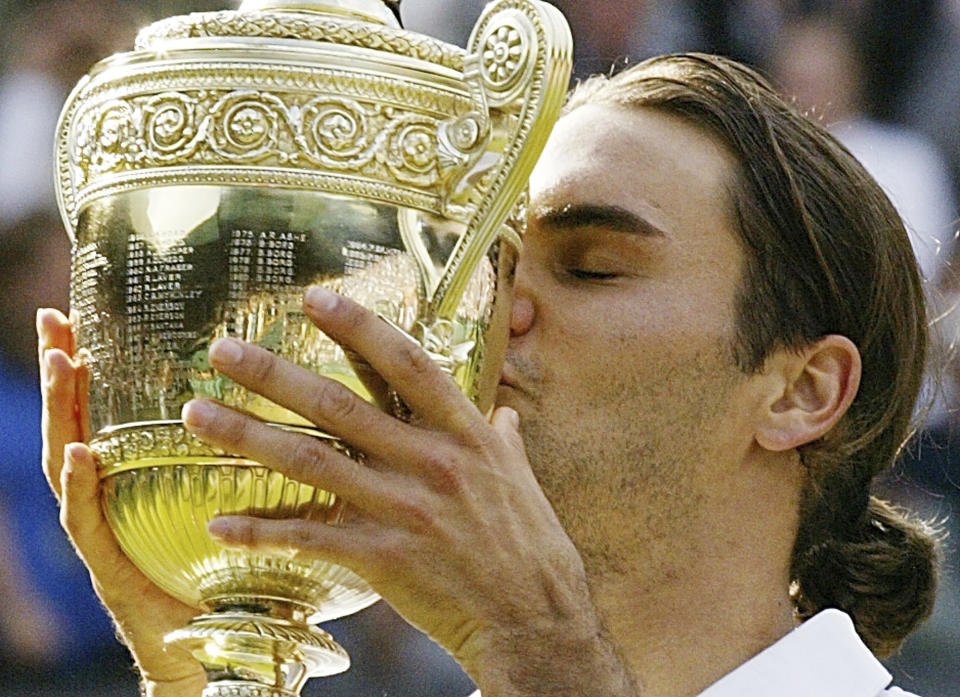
(819, 64)
(932, 99)
(443, 19)
(605, 34)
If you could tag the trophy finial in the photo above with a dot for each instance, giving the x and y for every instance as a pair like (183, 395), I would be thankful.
(382, 11)
(395, 6)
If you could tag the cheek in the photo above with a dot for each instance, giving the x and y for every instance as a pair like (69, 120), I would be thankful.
(664, 329)
(652, 361)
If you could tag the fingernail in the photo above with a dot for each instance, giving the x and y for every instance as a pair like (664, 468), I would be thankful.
(71, 453)
(222, 530)
(226, 352)
(320, 299)
(197, 413)
(218, 527)
(69, 460)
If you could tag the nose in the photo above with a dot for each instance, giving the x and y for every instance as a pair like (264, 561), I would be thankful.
(521, 317)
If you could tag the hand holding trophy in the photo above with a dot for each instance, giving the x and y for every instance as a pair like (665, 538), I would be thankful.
(211, 176)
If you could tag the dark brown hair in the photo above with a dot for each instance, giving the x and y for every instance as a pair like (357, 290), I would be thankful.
(826, 253)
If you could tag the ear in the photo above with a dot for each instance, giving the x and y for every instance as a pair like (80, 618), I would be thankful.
(815, 389)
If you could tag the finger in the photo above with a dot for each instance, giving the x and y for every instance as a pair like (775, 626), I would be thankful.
(328, 404)
(59, 421)
(404, 365)
(82, 411)
(294, 537)
(53, 331)
(302, 457)
(506, 422)
(377, 387)
(58, 390)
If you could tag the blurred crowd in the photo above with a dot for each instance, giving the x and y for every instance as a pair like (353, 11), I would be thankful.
(881, 74)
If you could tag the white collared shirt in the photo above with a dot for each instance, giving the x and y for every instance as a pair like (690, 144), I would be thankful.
(823, 657)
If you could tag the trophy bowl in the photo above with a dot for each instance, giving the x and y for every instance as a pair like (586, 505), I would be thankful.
(206, 178)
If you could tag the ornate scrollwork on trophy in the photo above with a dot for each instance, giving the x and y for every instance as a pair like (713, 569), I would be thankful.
(338, 131)
(138, 444)
(243, 127)
(170, 124)
(508, 58)
(385, 135)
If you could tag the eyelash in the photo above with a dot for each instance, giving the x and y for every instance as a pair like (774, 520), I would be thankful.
(587, 275)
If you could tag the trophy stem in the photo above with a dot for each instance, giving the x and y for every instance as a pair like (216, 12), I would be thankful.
(259, 649)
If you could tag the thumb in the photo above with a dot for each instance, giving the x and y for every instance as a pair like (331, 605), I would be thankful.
(506, 422)
(80, 512)
(82, 516)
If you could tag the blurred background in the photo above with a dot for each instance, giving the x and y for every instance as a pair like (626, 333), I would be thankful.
(881, 74)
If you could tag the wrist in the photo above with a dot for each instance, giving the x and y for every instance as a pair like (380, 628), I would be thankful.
(563, 656)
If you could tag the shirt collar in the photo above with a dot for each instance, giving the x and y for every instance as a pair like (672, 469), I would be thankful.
(823, 657)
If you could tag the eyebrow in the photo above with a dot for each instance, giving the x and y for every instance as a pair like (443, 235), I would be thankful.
(573, 216)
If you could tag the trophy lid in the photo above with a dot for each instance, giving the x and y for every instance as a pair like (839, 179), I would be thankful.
(371, 25)
(381, 11)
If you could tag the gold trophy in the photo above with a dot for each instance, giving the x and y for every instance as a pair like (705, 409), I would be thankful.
(212, 174)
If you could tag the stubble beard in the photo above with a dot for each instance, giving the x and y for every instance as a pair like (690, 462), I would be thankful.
(624, 479)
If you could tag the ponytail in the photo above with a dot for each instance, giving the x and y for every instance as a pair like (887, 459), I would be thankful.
(883, 573)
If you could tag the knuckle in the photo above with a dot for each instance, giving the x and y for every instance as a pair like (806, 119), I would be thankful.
(446, 475)
(419, 516)
(416, 360)
(306, 459)
(246, 534)
(263, 366)
(348, 319)
(354, 316)
(390, 555)
(482, 440)
(301, 536)
(235, 429)
(334, 402)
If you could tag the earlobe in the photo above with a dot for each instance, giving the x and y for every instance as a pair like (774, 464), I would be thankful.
(818, 384)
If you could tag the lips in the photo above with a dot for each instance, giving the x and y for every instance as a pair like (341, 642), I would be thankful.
(521, 374)
(515, 373)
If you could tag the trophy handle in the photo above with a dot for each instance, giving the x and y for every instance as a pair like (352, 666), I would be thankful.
(520, 53)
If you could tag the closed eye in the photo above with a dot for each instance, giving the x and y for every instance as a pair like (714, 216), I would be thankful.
(588, 275)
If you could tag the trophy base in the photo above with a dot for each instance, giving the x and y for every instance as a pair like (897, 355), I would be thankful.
(259, 650)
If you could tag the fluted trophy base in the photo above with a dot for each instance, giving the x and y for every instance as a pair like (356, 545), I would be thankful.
(259, 648)
(161, 487)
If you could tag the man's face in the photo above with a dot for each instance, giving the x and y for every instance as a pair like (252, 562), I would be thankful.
(620, 363)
